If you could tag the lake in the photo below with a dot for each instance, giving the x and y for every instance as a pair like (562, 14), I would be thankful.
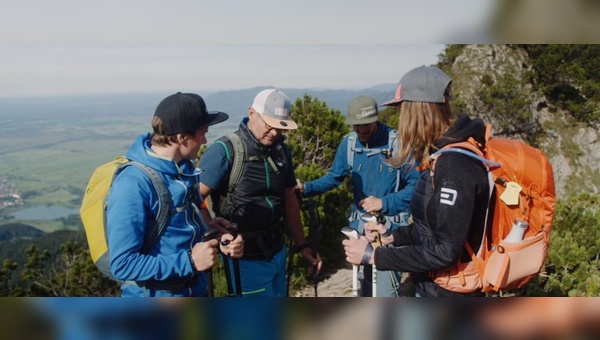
(45, 212)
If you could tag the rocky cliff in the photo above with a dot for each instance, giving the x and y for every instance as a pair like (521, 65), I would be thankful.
(495, 82)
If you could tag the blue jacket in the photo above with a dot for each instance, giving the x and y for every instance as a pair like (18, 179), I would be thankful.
(370, 175)
(132, 207)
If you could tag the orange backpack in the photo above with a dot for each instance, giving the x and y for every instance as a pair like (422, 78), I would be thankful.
(522, 186)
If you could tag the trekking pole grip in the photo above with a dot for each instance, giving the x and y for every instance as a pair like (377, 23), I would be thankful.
(233, 230)
(210, 234)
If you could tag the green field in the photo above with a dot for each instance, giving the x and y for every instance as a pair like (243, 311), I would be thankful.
(50, 148)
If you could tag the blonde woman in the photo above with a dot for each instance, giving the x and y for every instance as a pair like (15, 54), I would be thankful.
(448, 208)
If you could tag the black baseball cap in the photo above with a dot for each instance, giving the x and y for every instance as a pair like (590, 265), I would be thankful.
(186, 112)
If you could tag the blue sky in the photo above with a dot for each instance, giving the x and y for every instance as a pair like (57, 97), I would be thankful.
(76, 46)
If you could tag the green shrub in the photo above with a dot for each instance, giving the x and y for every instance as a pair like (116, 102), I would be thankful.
(572, 267)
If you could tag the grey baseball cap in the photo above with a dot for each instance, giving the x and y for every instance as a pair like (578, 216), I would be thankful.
(422, 84)
(362, 110)
(274, 107)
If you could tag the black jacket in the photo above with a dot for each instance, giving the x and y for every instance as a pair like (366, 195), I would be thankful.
(448, 209)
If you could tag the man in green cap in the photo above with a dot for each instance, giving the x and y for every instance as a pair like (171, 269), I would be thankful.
(379, 188)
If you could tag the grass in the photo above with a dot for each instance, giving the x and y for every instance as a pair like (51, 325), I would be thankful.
(47, 226)
(52, 163)
(55, 197)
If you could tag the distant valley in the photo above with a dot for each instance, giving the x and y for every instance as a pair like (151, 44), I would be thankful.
(50, 145)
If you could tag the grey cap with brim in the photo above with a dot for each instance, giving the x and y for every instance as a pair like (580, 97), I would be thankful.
(422, 84)
(362, 110)
(275, 108)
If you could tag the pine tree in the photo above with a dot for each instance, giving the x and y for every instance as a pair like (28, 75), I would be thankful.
(74, 275)
(313, 146)
(572, 267)
(389, 116)
(6, 287)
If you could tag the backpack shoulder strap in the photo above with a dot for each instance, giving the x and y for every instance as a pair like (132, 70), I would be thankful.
(351, 147)
(164, 204)
(470, 149)
(476, 155)
(237, 162)
(391, 149)
(283, 153)
(392, 142)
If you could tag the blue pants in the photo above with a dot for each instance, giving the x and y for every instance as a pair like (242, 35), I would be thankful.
(262, 278)
(388, 283)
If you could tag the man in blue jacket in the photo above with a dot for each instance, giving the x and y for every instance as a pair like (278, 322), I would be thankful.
(174, 266)
(378, 187)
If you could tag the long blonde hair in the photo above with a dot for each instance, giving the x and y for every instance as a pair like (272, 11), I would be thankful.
(419, 126)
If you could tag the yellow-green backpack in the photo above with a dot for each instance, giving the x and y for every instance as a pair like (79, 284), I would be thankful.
(94, 204)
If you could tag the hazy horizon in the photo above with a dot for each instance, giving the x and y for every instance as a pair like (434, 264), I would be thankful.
(72, 70)
(203, 93)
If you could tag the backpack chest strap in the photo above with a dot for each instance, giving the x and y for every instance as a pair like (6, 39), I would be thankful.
(370, 152)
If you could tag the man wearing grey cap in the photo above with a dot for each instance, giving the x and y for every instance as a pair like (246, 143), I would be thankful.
(379, 188)
(262, 200)
(173, 265)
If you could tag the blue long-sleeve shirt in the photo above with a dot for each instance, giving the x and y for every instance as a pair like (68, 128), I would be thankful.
(371, 175)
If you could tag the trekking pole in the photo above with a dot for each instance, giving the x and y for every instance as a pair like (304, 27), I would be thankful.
(314, 229)
(380, 219)
(395, 283)
(227, 271)
(289, 266)
(291, 251)
(210, 286)
(376, 243)
(354, 234)
(233, 229)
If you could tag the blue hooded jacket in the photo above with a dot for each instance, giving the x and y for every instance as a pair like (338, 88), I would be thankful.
(371, 175)
(132, 208)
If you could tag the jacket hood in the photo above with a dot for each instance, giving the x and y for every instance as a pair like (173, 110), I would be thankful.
(463, 128)
(141, 151)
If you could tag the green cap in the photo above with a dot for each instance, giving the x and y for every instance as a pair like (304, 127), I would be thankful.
(362, 110)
